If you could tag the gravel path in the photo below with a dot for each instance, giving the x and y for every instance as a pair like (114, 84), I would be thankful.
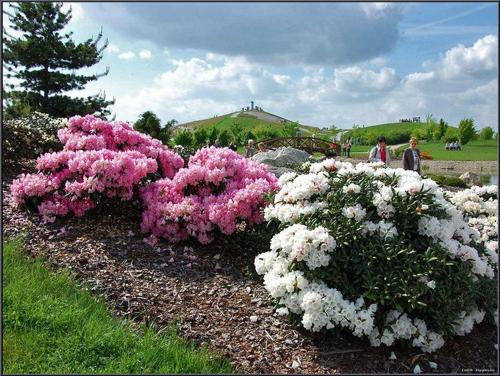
(446, 167)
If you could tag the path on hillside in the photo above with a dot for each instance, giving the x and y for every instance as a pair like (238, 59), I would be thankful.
(260, 115)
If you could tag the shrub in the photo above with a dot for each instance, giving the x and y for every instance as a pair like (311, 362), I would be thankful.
(213, 134)
(200, 138)
(486, 133)
(379, 252)
(466, 131)
(450, 135)
(30, 136)
(224, 138)
(218, 191)
(100, 161)
(448, 181)
(184, 138)
(249, 136)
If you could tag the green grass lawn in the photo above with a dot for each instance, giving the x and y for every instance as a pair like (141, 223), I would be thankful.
(50, 325)
(474, 151)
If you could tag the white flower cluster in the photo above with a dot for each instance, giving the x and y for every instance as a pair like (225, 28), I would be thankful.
(323, 306)
(355, 212)
(293, 200)
(400, 326)
(286, 177)
(480, 207)
(30, 135)
(303, 187)
(290, 213)
(471, 202)
(466, 321)
(351, 188)
(384, 228)
(486, 226)
(382, 201)
(298, 243)
(481, 265)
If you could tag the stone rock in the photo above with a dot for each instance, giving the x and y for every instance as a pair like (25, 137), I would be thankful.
(313, 159)
(470, 179)
(278, 171)
(282, 157)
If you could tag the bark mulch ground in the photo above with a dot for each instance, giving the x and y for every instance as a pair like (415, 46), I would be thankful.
(213, 296)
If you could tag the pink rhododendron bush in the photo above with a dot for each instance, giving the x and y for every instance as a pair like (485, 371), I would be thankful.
(382, 253)
(219, 191)
(100, 160)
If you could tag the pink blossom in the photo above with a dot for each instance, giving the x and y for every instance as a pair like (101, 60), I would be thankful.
(99, 158)
(217, 190)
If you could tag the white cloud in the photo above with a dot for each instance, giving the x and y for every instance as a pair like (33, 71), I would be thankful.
(370, 93)
(379, 61)
(145, 54)
(481, 58)
(113, 49)
(355, 80)
(126, 55)
(462, 83)
(277, 33)
(376, 9)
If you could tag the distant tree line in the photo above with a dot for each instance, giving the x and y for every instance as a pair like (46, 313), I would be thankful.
(432, 130)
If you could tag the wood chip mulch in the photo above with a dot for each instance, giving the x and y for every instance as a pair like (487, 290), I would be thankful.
(213, 296)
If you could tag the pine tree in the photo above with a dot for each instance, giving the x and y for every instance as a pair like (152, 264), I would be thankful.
(44, 59)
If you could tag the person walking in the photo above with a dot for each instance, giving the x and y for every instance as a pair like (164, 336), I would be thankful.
(348, 148)
(411, 157)
(380, 153)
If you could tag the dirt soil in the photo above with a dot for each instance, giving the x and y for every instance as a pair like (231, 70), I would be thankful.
(213, 295)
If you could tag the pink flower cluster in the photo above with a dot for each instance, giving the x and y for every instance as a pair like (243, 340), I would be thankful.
(91, 133)
(219, 190)
(99, 160)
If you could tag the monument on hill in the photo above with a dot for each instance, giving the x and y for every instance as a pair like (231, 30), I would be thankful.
(252, 107)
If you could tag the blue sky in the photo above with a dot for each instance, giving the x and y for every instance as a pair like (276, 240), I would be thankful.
(319, 63)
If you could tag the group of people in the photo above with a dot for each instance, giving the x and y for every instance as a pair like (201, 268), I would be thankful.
(453, 146)
(380, 153)
(346, 147)
(411, 157)
(250, 148)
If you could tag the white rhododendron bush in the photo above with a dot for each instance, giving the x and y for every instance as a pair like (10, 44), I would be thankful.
(382, 253)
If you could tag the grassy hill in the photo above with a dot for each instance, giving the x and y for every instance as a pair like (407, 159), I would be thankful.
(265, 125)
(269, 125)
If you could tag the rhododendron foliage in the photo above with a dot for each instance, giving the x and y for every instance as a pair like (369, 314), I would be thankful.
(218, 191)
(383, 253)
(99, 160)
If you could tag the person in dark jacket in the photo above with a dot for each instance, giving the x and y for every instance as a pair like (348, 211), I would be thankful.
(411, 157)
